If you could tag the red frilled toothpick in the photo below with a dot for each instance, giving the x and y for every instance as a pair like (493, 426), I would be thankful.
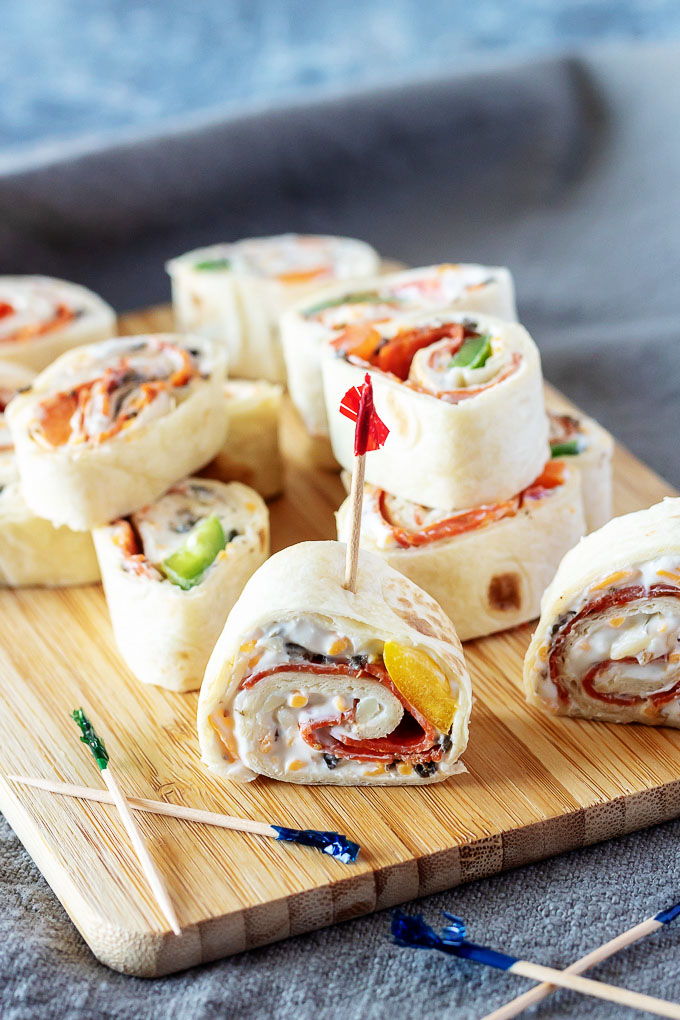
(370, 434)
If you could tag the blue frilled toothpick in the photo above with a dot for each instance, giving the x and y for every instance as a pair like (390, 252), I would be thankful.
(332, 843)
(411, 931)
(627, 938)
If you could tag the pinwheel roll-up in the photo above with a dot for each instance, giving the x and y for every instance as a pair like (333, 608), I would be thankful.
(589, 449)
(607, 645)
(41, 317)
(311, 683)
(33, 551)
(462, 396)
(251, 453)
(173, 570)
(487, 566)
(108, 427)
(313, 322)
(236, 292)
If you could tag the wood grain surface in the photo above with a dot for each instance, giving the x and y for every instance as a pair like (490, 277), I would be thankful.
(536, 785)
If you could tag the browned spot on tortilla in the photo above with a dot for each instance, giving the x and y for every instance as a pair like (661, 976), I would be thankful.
(505, 592)
(417, 609)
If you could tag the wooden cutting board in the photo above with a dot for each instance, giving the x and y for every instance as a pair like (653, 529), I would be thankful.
(536, 785)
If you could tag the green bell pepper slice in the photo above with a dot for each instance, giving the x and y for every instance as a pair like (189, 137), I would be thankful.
(186, 566)
(359, 298)
(474, 353)
(568, 449)
(210, 264)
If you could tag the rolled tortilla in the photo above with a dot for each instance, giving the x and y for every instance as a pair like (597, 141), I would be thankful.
(108, 427)
(310, 683)
(314, 321)
(589, 449)
(33, 551)
(488, 566)
(607, 645)
(460, 435)
(235, 293)
(166, 632)
(41, 317)
(251, 452)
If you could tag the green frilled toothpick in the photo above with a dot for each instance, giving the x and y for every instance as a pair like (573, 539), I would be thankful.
(153, 876)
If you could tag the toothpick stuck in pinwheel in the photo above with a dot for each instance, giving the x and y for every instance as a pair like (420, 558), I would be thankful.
(370, 434)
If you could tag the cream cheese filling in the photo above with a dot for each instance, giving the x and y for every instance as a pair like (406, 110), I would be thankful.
(431, 368)
(645, 631)
(34, 305)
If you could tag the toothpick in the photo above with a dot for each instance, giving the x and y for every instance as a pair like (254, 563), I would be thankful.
(356, 501)
(369, 434)
(151, 872)
(603, 952)
(411, 931)
(332, 843)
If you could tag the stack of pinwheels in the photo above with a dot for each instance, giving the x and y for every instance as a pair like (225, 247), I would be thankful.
(480, 490)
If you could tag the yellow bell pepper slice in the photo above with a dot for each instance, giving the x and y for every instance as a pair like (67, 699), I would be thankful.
(422, 683)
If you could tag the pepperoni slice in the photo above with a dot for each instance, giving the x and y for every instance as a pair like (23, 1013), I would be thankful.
(551, 477)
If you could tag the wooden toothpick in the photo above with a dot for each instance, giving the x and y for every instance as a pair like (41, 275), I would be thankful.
(411, 931)
(356, 501)
(369, 434)
(627, 938)
(332, 843)
(153, 875)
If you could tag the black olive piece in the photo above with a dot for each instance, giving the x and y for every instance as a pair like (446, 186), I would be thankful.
(425, 769)
(186, 520)
(294, 649)
(446, 743)
(331, 761)
(358, 660)
(390, 765)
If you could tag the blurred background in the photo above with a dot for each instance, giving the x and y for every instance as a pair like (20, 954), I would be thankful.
(74, 67)
(537, 134)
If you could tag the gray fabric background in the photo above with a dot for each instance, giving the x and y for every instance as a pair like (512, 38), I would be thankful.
(565, 169)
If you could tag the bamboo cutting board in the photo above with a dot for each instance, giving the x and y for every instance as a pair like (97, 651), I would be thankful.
(536, 785)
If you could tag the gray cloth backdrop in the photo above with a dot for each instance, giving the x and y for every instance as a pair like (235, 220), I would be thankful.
(567, 170)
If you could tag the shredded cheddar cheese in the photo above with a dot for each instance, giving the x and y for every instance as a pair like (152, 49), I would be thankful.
(338, 646)
(614, 578)
(223, 726)
(670, 575)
